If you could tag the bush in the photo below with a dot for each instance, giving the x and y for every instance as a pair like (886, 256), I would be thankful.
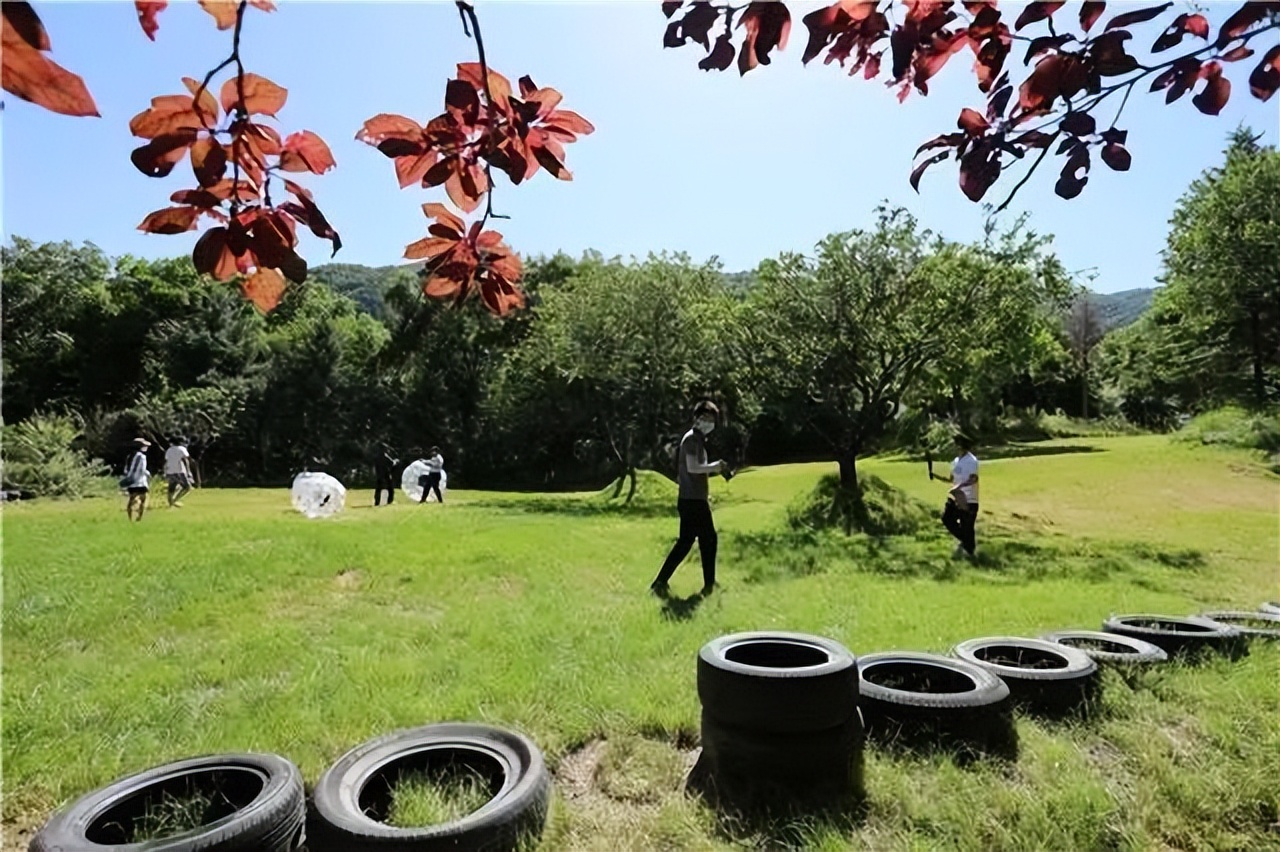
(40, 456)
(882, 509)
(1234, 427)
(1042, 426)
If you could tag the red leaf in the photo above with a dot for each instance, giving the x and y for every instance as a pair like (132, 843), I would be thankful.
(212, 256)
(224, 11)
(1135, 17)
(499, 86)
(720, 57)
(570, 121)
(1090, 11)
(26, 73)
(1069, 183)
(26, 24)
(768, 25)
(158, 157)
(306, 212)
(444, 216)
(871, 67)
(1265, 79)
(386, 127)
(1245, 17)
(1034, 139)
(167, 114)
(1044, 44)
(1079, 124)
(171, 220)
(696, 24)
(1183, 24)
(669, 7)
(428, 248)
(1116, 156)
(261, 96)
(972, 123)
(208, 161)
(201, 198)
(1235, 54)
(265, 288)
(1036, 12)
(147, 12)
(918, 171)
(304, 151)
(1217, 90)
(1057, 75)
(208, 106)
(979, 169)
(1109, 56)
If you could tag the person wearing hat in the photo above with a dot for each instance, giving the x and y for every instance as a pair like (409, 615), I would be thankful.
(177, 470)
(961, 511)
(135, 480)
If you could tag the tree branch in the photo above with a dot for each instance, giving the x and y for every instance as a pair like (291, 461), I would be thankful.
(1043, 153)
(468, 13)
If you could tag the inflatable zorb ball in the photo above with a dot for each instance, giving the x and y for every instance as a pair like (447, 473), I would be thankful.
(317, 495)
(409, 481)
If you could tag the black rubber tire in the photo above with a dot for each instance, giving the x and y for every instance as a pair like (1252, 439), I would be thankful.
(357, 783)
(751, 768)
(1239, 620)
(976, 712)
(1138, 651)
(1175, 634)
(777, 682)
(1049, 690)
(1270, 606)
(270, 819)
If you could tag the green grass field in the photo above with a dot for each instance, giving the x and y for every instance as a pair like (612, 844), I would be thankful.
(235, 624)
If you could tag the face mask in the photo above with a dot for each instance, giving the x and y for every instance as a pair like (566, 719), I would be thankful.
(705, 426)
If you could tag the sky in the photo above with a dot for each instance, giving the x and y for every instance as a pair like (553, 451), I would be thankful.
(708, 163)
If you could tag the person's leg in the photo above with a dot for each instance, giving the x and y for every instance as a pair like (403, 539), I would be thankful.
(679, 550)
(391, 491)
(128, 507)
(184, 488)
(377, 492)
(423, 482)
(173, 486)
(708, 541)
(967, 521)
(435, 486)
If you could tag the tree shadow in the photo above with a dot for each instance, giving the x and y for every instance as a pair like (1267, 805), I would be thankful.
(584, 507)
(964, 740)
(1018, 451)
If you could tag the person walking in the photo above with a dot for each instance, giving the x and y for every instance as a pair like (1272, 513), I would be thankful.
(430, 481)
(693, 504)
(136, 480)
(961, 512)
(177, 470)
(384, 470)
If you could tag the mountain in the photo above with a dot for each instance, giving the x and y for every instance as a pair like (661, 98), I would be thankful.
(1116, 310)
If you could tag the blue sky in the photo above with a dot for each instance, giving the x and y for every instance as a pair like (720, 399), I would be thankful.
(705, 162)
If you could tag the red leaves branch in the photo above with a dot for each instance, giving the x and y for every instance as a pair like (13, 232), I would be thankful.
(1069, 76)
(461, 260)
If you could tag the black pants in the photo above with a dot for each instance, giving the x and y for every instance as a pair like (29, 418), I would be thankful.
(695, 523)
(384, 483)
(960, 524)
(431, 482)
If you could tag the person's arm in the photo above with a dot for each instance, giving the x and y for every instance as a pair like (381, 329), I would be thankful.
(693, 464)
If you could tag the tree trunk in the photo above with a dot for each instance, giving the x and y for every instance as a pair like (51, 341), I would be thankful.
(1084, 387)
(1255, 332)
(849, 472)
(632, 492)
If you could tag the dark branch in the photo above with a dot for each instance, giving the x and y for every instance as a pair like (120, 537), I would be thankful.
(1044, 152)
(467, 12)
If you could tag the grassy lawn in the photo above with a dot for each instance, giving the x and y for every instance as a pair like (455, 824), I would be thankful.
(235, 624)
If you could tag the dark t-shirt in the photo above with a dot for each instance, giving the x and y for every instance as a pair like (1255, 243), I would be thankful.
(693, 486)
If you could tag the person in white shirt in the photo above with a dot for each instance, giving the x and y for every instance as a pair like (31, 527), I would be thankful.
(177, 470)
(136, 480)
(430, 481)
(961, 511)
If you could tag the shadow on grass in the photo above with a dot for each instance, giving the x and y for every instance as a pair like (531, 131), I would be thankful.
(1002, 557)
(1008, 451)
(681, 609)
(959, 737)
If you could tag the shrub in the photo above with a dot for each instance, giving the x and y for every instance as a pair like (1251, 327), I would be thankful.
(1234, 427)
(40, 456)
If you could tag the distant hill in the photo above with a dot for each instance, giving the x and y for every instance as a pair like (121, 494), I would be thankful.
(1117, 310)
(367, 285)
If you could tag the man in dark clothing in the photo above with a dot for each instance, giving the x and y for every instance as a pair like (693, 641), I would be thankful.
(961, 511)
(384, 469)
(693, 506)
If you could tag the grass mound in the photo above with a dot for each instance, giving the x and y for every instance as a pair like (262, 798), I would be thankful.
(1234, 427)
(652, 488)
(879, 510)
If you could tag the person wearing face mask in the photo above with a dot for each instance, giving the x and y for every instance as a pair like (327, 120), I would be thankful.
(693, 505)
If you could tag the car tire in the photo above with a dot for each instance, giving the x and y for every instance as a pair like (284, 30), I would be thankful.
(777, 682)
(354, 795)
(263, 792)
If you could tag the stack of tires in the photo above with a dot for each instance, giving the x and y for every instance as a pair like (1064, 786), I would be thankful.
(780, 721)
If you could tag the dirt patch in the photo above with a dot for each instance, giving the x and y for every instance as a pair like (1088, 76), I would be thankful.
(654, 768)
(577, 771)
(349, 579)
(17, 836)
